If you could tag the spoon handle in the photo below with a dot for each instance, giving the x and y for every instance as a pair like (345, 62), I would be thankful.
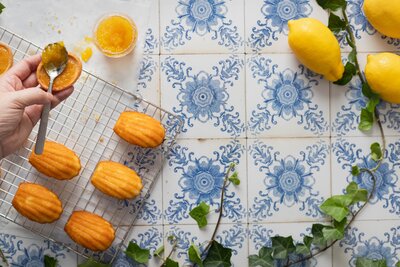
(44, 119)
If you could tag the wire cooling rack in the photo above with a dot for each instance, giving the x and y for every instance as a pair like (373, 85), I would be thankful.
(84, 123)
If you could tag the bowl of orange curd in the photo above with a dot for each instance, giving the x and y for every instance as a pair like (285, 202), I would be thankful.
(115, 35)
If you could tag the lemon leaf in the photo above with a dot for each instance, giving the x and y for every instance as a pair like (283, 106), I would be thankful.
(349, 71)
(336, 24)
(353, 56)
(332, 4)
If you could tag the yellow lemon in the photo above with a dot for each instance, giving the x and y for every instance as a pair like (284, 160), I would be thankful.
(384, 15)
(383, 75)
(316, 47)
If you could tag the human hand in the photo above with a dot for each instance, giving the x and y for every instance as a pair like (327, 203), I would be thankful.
(21, 103)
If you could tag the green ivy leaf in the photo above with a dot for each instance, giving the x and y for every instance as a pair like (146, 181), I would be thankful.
(318, 236)
(397, 264)
(352, 56)
(376, 152)
(349, 71)
(364, 262)
(2, 7)
(282, 246)
(170, 263)
(235, 179)
(336, 24)
(307, 240)
(337, 207)
(367, 91)
(159, 252)
(218, 256)
(263, 259)
(355, 170)
(366, 120)
(194, 255)
(332, 4)
(357, 194)
(372, 103)
(336, 232)
(49, 261)
(302, 249)
(137, 253)
(199, 214)
(93, 263)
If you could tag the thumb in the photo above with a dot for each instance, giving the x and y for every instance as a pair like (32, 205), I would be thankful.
(31, 96)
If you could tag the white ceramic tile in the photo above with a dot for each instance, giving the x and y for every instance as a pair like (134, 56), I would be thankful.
(288, 179)
(347, 102)
(232, 236)
(266, 22)
(260, 234)
(152, 37)
(201, 26)
(207, 92)
(370, 239)
(194, 172)
(347, 152)
(284, 99)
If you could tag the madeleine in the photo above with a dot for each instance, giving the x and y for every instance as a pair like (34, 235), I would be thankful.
(37, 203)
(116, 180)
(57, 161)
(139, 129)
(90, 230)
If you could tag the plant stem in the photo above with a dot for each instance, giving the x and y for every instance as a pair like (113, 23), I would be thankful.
(170, 253)
(226, 179)
(312, 255)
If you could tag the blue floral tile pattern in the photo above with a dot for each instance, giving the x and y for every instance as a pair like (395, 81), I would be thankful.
(284, 180)
(209, 97)
(285, 95)
(194, 20)
(200, 178)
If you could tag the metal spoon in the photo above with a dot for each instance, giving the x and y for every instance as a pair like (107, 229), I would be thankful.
(54, 58)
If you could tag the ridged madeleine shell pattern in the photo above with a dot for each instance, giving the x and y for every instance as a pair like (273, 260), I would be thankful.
(139, 129)
(37, 203)
(57, 161)
(116, 180)
(90, 230)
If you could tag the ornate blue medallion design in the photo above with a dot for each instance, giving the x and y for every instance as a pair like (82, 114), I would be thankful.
(286, 95)
(387, 193)
(18, 254)
(201, 17)
(276, 15)
(201, 179)
(356, 244)
(260, 236)
(347, 119)
(151, 239)
(203, 97)
(288, 181)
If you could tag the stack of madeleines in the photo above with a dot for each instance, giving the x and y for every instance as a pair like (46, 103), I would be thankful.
(39, 204)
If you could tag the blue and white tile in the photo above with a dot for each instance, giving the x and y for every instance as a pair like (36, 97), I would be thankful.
(260, 236)
(267, 22)
(233, 236)
(289, 179)
(195, 172)
(285, 99)
(152, 37)
(207, 92)
(347, 102)
(148, 86)
(201, 26)
(367, 239)
(347, 152)
(367, 37)
(24, 248)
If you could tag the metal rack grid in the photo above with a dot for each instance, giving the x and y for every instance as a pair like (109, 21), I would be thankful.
(84, 123)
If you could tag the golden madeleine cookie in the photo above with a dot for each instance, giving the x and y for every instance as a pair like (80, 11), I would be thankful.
(116, 180)
(90, 230)
(57, 161)
(37, 203)
(139, 129)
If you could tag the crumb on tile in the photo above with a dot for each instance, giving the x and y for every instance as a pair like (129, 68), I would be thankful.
(97, 118)
(101, 140)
